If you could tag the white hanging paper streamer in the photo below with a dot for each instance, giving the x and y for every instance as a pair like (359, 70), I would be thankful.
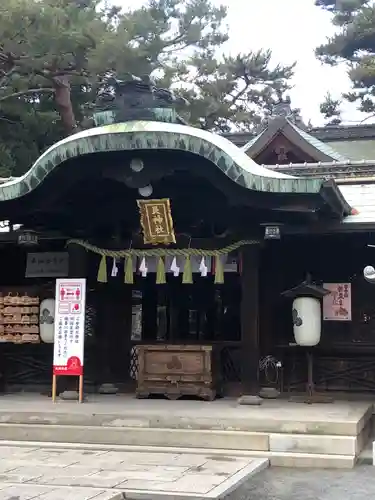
(114, 271)
(143, 267)
(203, 269)
(174, 267)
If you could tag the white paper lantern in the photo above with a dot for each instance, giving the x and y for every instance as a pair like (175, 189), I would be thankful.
(307, 321)
(369, 274)
(47, 321)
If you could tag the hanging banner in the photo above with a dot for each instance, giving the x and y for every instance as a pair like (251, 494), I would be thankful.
(47, 265)
(337, 306)
(70, 304)
(156, 221)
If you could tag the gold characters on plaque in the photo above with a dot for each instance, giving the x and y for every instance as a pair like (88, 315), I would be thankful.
(156, 221)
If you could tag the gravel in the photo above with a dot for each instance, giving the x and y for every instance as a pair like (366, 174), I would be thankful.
(305, 484)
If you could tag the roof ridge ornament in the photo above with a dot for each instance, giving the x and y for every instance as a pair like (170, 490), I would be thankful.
(282, 108)
(135, 98)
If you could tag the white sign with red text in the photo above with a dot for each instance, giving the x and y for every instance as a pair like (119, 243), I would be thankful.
(68, 350)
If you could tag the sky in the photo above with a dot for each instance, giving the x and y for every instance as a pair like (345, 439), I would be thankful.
(292, 29)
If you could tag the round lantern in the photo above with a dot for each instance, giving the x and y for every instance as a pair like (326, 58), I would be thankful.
(307, 321)
(369, 274)
(47, 320)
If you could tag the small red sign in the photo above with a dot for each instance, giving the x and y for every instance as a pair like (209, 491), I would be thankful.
(73, 367)
(76, 308)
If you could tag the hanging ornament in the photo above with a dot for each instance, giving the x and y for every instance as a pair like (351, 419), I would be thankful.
(114, 271)
(102, 271)
(187, 276)
(174, 267)
(219, 270)
(160, 272)
(203, 269)
(143, 269)
(128, 270)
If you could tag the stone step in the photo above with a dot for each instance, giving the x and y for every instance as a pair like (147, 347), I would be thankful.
(289, 450)
(309, 460)
(278, 459)
(136, 436)
(246, 419)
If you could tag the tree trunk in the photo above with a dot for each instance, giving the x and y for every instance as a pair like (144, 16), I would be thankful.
(64, 104)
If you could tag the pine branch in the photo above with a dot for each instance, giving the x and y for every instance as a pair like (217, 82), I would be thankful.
(27, 92)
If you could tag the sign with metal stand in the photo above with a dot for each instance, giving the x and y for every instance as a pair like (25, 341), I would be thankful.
(68, 354)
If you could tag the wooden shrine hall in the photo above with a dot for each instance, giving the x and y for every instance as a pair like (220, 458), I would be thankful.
(187, 243)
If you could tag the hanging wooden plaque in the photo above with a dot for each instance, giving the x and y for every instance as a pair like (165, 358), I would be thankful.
(156, 221)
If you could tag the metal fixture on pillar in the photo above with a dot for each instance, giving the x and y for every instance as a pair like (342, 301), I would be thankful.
(27, 238)
(272, 231)
(307, 325)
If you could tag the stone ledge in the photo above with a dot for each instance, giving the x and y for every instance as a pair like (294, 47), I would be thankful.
(235, 440)
(314, 461)
(313, 444)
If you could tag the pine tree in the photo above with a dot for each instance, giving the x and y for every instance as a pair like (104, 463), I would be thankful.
(353, 44)
(54, 54)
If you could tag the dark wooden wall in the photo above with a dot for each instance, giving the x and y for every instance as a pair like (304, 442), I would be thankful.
(345, 357)
(108, 342)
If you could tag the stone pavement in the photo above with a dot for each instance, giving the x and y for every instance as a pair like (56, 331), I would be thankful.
(296, 484)
(51, 473)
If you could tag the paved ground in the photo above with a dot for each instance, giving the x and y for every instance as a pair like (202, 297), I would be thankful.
(292, 484)
(43, 473)
(78, 474)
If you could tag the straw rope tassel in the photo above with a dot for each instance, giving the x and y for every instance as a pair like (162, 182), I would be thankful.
(128, 272)
(219, 270)
(187, 276)
(102, 271)
(160, 272)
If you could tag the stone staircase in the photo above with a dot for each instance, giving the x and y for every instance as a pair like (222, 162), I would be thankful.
(332, 443)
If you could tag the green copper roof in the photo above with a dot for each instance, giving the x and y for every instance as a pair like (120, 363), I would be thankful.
(146, 135)
(313, 146)
(355, 149)
(319, 145)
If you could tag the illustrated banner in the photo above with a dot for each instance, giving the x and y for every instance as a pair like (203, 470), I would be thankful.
(68, 351)
(156, 221)
(337, 306)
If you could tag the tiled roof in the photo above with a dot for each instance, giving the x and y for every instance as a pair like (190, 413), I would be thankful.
(332, 169)
(314, 147)
(362, 198)
(321, 146)
(344, 132)
(325, 134)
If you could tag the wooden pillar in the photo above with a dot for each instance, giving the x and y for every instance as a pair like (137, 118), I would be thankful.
(78, 261)
(250, 325)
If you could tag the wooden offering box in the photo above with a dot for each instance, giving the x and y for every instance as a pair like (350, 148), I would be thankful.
(176, 370)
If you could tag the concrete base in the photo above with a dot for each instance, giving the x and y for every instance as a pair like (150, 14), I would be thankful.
(250, 400)
(108, 389)
(286, 433)
(69, 395)
(269, 393)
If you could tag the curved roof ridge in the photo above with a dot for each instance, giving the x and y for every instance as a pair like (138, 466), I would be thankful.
(146, 135)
